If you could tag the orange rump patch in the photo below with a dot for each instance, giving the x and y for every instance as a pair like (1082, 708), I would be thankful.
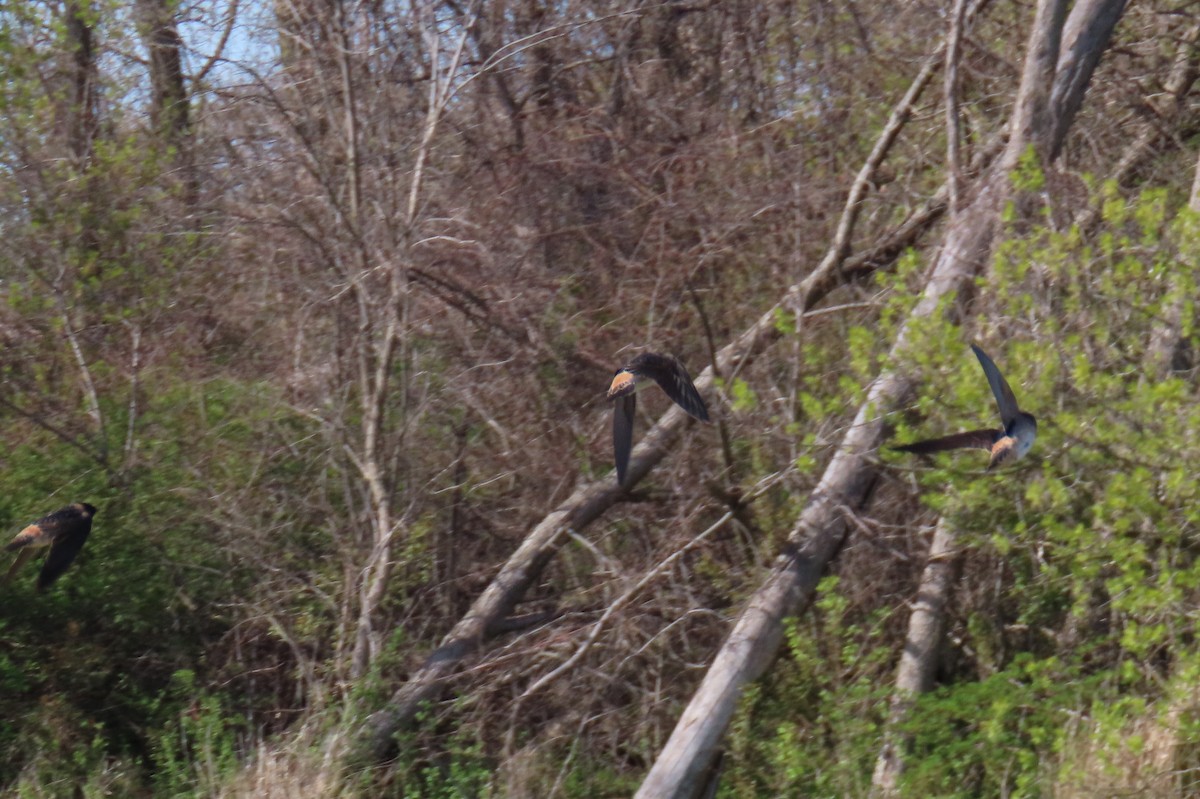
(1002, 450)
(621, 383)
(30, 536)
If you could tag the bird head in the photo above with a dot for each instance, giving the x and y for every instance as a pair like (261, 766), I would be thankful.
(1024, 430)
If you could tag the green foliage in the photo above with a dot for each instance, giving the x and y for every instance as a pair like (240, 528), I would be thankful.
(464, 777)
(197, 747)
(1028, 177)
(191, 330)
(810, 726)
(102, 643)
(993, 736)
(434, 763)
(1093, 536)
(743, 395)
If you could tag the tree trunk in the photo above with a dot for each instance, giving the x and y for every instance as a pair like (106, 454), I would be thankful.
(79, 122)
(80, 118)
(591, 500)
(918, 661)
(819, 534)
(168, 98)
(1087, 34)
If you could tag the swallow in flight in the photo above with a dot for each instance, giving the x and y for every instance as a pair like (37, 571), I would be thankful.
(634, 376)
(64, 531)
(1020, 428)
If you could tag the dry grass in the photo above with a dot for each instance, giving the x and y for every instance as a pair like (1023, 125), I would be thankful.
(303, 765)
(1155, 755)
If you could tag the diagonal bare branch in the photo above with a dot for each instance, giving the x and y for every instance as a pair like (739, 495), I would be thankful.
(590, 500)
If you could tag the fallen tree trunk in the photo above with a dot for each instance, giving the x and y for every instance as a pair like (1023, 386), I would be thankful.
(812, 543)
(926, 626)
(589, 501)
(820, 531)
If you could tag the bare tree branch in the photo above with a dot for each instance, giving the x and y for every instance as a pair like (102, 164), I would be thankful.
(589, 501)
(219, 50)
(950, 90)
(821, 529)
(396, 319)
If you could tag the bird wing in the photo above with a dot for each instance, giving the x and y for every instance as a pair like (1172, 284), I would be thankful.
(623, 409)
(674, 379)
(22, 556)
(1003, 394)
(972, 439)
(66, 546)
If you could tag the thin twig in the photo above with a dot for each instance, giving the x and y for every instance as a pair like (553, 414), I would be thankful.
(220, 48)
(763, 486)
(618, 604)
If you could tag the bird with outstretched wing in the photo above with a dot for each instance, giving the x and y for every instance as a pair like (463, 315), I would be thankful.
(647, 369)
(1009, 443)
(63, 531)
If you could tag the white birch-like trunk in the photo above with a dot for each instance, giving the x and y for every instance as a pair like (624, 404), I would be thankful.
(818, 536)
(918, 659)
(590, 500)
